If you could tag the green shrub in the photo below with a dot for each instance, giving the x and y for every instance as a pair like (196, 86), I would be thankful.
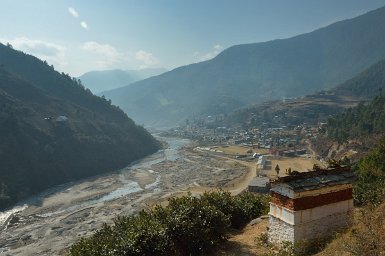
(193, 225)
(187, 226)
(100, 244)
(141, 235)
(240, 209)
(369, 188)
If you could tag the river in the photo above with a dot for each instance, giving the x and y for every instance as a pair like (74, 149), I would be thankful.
(47, 214)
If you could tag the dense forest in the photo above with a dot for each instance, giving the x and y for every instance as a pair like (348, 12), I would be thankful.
(358, 122)
(53, 130)
(365, 85)
(364, 119)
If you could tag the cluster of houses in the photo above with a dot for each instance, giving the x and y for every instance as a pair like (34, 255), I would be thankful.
(303, 206)
(263, 138)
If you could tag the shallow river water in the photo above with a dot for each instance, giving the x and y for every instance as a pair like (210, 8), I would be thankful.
(123, 186)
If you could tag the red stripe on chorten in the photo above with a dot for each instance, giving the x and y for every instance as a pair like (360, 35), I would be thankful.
(310, 202)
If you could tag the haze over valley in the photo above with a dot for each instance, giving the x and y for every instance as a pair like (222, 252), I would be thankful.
(251, 73)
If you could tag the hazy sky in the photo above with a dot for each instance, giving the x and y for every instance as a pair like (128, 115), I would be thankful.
(83, 35)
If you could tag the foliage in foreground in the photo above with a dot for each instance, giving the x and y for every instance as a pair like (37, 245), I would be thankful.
(187, 226)
(367, 236)
(369, 188)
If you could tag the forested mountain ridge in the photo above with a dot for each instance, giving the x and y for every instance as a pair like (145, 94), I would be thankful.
(366, 85)
(317, 107)
(251, 73)
(359, 122)
(62, 86)
(53, 131)
(364, 119)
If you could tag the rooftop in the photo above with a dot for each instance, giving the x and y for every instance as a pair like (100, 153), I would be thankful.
(319, 178)
(259, 182)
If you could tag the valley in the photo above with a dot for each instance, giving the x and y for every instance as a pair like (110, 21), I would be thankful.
(54, 220)
(203, 128)
(254, 73)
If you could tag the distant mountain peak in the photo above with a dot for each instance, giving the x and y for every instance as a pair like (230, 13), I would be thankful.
(102, 80)
(251, 73)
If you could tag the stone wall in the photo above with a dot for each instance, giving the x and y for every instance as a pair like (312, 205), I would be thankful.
(280, 231)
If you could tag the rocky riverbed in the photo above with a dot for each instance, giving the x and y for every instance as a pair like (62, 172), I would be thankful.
(48, 224)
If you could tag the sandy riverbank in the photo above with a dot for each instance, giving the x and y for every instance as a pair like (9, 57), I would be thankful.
(52, 224)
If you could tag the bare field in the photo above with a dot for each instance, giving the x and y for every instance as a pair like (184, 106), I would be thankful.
(241, 150)
(300, 164)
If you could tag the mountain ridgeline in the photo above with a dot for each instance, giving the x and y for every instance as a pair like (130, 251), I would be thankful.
(99, 81)
(317, 107)
(366, 85)
(53, 130)
(251, 73)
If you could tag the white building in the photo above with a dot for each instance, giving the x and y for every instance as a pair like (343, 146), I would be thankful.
(261, 163)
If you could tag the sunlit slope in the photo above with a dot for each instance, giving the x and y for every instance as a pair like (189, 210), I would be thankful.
(245, 74)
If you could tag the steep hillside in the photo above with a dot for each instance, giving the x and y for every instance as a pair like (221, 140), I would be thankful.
(315, 107)
(99, 81)
(359, 122)
(53, 131)
(365, 85)
(244, 74)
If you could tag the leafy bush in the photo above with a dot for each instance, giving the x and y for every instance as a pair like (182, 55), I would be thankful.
(102, 243)
(240, 209)
(187, 226)
(193, 225)
(139, 235)
(369, 188)
(367, 236)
